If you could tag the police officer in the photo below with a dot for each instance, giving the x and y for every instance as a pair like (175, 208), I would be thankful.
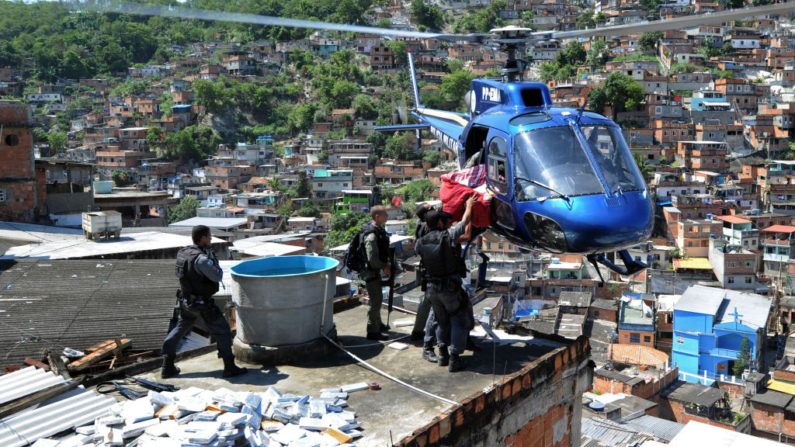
(418, 333)
(376, 244)
(440, 251)
(199, 274)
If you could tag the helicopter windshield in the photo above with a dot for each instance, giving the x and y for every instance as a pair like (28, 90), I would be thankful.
(552, 157)
(614, 158)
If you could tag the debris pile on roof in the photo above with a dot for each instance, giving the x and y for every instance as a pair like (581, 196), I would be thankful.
(222, 417)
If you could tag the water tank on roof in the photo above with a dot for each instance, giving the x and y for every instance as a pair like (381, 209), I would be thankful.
(556, 260)
(103, 187)
(597, 406)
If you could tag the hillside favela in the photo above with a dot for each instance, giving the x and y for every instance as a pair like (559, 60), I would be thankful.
(409, 223)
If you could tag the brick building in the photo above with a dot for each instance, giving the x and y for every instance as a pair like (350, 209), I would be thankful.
(22, 187)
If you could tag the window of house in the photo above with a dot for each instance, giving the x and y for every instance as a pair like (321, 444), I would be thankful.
(680, 339)
(730, 280)
(748, 280)
(771, 414)
(319, 184)
(634, 338)
(748, 264)
(596, 313)
(488, 245)
(647, 339)
(12, 140)
(730, 264)
(2, 195)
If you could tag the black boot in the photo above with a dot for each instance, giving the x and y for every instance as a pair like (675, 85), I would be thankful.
(415, 336)
(444, 356)
(384, 327)
(232, 370)
(169, 369)
(456, 364)
(428, 353)
(471, 346)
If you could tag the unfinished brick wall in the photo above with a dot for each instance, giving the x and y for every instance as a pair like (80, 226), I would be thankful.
(643, 390)
(16, 151)
(602, 314)
(537, 406)
(785, 375)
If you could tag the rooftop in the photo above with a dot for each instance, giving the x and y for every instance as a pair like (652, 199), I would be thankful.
(269, 249)
(131, 194)
(696, 433)
(753, 309)
(55, 304)
(129, 244)
(693, 393)
(733, 219)
(693, 263)
(635, 311)
(637, 355)
(393, 412)
(574, 299)
(221, 223)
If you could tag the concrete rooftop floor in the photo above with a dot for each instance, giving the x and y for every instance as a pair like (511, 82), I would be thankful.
(394, 411)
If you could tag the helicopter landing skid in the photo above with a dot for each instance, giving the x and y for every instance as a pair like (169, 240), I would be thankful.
(631, 266)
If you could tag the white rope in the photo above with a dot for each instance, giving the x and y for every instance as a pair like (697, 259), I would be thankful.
(396, 380)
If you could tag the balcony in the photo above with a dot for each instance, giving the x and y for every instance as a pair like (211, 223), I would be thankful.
(721, 352)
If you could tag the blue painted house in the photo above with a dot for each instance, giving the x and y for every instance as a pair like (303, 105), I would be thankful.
(709, 325)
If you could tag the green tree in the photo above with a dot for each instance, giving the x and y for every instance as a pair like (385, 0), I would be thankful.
(120, 179)
(619, 91)
(155, 136)
(72, 67)
(345, 226)
(58, 142)
(351, 11)
(378, 140)
(309, 209)
(457, 84)
(113, 58)
(304, 186)
(727, 47)
(400, 51)
(418, 191)
(648, 41)
(598, 53)
(433, 157)
(384, 23)
(191, 144)
(210, 94)
(586, 20)
(342, 93)
(744, 357)
(185, 210)
(646, 169)
(365, 107)
(401, 147)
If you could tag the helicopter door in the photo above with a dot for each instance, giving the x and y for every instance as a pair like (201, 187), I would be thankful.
(499, 174)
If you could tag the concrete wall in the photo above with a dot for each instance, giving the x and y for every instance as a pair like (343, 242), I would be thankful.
(539, 405)
(643, 390)
(68, 203)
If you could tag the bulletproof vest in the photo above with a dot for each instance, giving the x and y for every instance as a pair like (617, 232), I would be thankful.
(191, 281)
(439, 256)
(381, 240)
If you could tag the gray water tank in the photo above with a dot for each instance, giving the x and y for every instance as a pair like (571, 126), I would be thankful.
(279, 300)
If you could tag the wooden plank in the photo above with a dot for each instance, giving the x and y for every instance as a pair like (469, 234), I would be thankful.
(36, 398)
(57, 365)
(30, 362)
(104, 349)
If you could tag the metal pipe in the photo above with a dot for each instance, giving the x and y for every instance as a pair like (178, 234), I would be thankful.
(325, 300)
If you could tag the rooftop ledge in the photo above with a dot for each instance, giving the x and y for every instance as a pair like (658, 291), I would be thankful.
(515, 380)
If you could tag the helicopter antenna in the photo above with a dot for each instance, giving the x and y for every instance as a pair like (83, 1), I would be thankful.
(582, 109)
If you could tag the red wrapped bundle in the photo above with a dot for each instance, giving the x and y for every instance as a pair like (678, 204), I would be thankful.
(457, 187)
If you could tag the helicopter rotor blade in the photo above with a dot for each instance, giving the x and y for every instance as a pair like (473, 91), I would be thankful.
(672, 24)
(224, 16)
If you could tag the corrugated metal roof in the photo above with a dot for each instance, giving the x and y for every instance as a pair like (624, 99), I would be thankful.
(28, 427)
(660, 428)
(55, 304)
(574, 299)
(611, 433)
(701, 300)
(26, 381)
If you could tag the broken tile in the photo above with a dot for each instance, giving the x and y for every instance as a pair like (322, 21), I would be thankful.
(271, 427)
(355, 387)
(398, 346)
(339, 435)
(231, 419)
(137, 429)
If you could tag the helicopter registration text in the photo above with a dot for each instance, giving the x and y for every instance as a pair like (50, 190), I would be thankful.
(491, 94)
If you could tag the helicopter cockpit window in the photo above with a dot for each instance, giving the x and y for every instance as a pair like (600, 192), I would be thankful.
(550, 162)
(614, 158)
(497, 165)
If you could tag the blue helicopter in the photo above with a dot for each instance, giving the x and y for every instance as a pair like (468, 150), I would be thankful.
(563, 180)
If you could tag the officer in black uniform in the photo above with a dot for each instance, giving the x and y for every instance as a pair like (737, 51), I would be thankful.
(376, 244)
(424, 308)
(199, 274)
(440, 251)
